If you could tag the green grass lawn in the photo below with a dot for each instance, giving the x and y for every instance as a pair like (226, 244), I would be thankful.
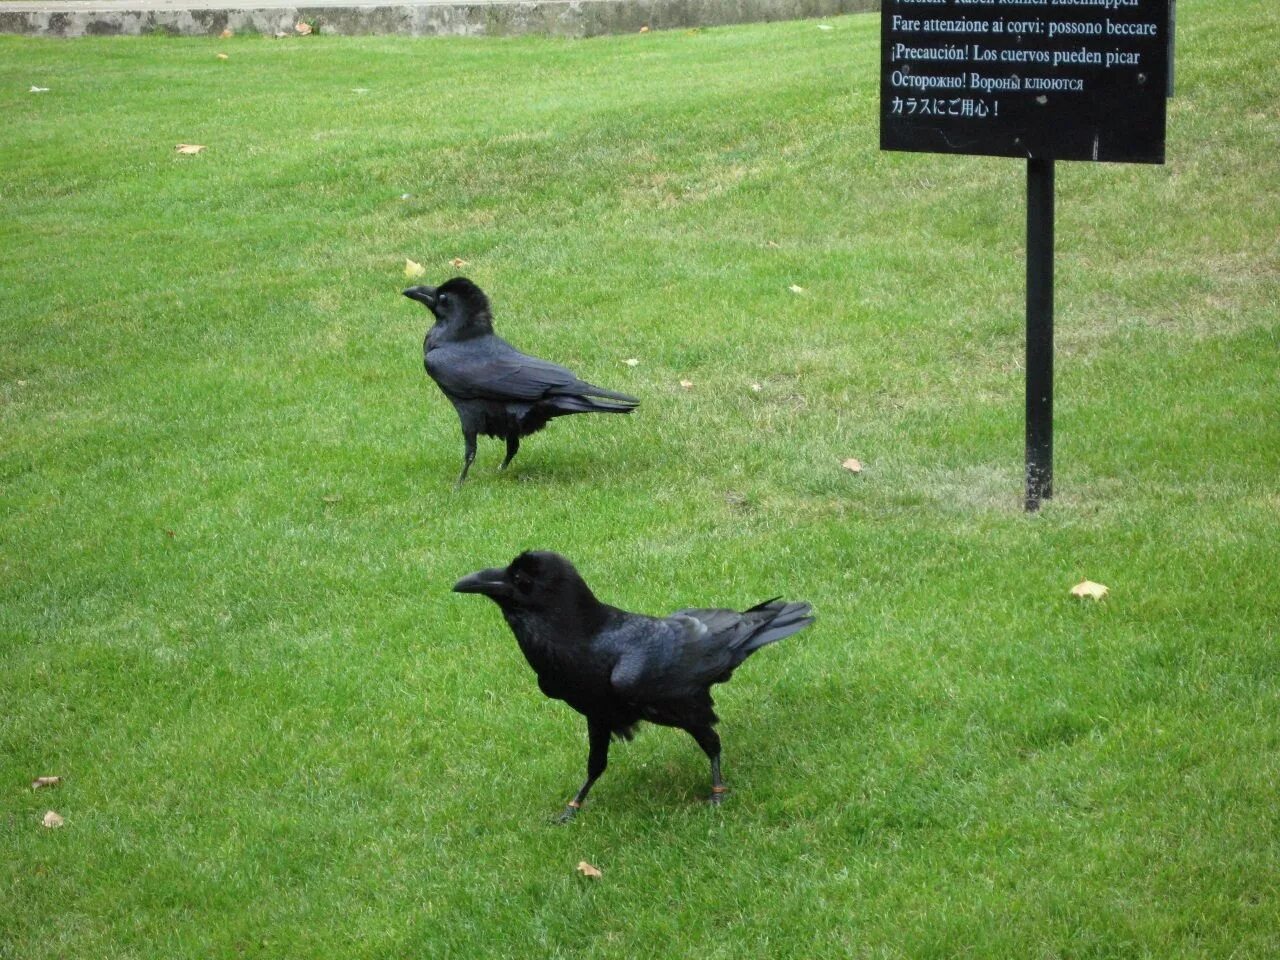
(230, 528)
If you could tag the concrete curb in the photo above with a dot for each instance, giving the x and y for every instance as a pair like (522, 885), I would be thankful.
(559, 18)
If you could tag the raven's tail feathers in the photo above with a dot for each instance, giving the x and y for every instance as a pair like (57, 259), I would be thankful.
(577, 403)
(786, 619)
(593, 391)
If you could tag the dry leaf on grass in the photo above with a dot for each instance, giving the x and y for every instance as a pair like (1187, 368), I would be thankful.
(457, 262)
(39, 782)
(413, 269)
(302, 28)
(853, 465)
(587, 870)
(796, 288)
(227, 34)
(222, 56)
(189, 148)
(332, 498)
(644, 29)
(631, 361)
(686, 384)
(35, 89)
(51, 820)
(1088, 589)
(756, 387)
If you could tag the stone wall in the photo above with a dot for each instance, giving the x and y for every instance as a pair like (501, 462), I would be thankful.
(561, 18)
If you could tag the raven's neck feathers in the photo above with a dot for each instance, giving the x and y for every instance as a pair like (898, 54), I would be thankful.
(570, 622)
(457, 331)
(478, 324)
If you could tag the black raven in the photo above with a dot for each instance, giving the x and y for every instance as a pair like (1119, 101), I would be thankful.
(618, 668)
(496, 389)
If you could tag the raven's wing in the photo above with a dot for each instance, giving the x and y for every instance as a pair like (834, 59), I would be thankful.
(674, 658)
(691, 649)
(492, 369)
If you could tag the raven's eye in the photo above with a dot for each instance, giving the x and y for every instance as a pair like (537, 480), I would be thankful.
(523, 582)
(443, 299)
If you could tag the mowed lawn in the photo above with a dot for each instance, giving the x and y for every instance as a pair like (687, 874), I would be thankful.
(229, 526)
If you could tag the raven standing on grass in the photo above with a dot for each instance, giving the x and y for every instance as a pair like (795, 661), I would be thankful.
(496, 389)
(618, 668)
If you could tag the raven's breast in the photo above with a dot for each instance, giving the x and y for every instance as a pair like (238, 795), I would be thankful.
(505, 419)
(497, 419)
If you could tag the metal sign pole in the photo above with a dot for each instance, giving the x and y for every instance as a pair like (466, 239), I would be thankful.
(1039, 476)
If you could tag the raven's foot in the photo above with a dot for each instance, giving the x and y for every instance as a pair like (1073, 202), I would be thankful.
(717, 795)
(570, 811)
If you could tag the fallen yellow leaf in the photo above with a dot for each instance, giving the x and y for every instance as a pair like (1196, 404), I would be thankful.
(644, 29)
(1089, 589)
(853, 465)
(227, 33)
(413, 269)
(687, 384)
(51, 820)
(796, 288)
(587, 870)
(302, 28)
(39, 782)
(631, 361)
(222, 56)
(189, 148)
(457, 262)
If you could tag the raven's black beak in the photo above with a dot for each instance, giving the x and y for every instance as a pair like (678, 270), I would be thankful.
(424, 295)
(491, 582)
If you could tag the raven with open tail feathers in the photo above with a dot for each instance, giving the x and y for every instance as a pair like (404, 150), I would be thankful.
(618, 668)
(496, 389)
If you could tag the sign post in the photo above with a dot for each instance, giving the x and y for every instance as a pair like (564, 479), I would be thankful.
(1039, 456)
(1042, 80)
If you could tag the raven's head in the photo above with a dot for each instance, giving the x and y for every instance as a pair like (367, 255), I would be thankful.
(459, 306)
(536, 582)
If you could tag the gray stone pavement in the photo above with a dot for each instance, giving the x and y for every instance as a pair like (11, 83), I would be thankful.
(567, 18)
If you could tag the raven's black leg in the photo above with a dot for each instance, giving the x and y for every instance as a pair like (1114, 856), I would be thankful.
(709, 741)
(469, 457)
(513, 445)
(597, 760)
